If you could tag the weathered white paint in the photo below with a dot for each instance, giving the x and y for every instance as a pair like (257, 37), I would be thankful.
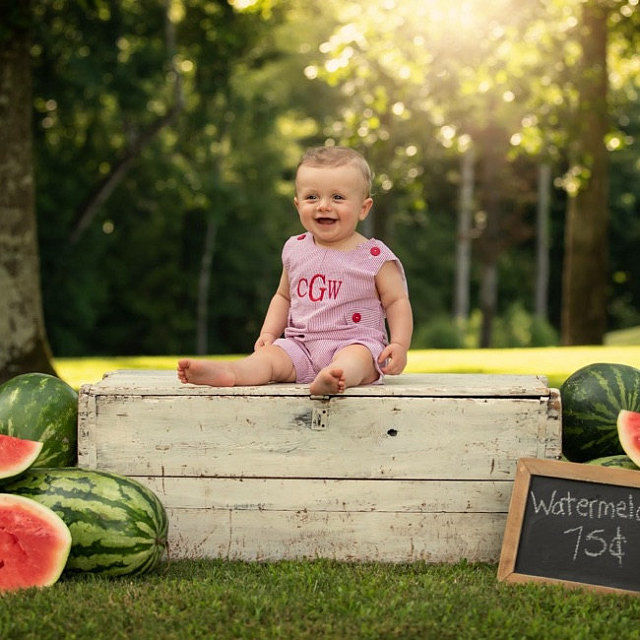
(165, 382)
(420, 468)
(384, 537)
(271, 494)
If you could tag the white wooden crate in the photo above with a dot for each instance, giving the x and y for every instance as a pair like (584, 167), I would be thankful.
(420, 468)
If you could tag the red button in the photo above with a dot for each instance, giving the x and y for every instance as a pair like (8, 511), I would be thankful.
(356, 317)
(302, 237)
(375, 251)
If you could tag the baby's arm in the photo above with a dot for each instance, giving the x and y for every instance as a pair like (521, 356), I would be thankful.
(395, 300)
(277, 314)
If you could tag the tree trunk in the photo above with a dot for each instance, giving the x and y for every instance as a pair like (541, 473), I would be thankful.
(463, 237)
(23, 343)
(493, 150)
(488, 302)
(585, 270)
(204, 285)
(542, 241)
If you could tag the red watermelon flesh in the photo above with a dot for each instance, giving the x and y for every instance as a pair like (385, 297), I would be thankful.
(34, 543)
(629, 433)
(17, 455)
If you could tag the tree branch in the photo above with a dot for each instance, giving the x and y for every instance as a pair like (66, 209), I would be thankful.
(87, 211)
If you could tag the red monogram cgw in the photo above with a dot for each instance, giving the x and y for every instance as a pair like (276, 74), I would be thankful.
(317, 287)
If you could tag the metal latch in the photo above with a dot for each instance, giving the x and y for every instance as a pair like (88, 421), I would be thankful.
(319, 412)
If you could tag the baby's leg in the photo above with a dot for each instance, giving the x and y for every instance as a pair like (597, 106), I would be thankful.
(351, 366)
(269, 364)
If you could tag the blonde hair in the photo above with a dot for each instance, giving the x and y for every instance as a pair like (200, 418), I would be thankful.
(337, 157)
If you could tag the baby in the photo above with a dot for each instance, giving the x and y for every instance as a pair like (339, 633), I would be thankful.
(335, 291)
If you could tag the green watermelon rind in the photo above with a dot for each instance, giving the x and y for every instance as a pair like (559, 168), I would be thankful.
(620, 461)
(37, 406)
(118, 526)
(592, 397)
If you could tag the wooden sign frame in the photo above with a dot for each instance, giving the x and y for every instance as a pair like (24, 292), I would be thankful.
(526, 469)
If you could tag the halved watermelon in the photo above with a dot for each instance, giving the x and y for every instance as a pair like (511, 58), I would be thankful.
(629, 433)
(34, 543)
(17, 455)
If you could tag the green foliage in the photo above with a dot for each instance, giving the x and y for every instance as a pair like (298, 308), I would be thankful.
(516, 328)
(630, 336)
(410, 84)
(103, 78)
(442, 332)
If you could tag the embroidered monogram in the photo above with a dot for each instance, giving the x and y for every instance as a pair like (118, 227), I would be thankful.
(316, 287)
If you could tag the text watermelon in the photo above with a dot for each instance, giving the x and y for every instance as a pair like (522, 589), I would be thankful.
(592, 398)
(34, 544)
(37, 406)
(118, 527)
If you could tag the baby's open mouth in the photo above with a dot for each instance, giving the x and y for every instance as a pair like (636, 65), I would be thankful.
(325, 220)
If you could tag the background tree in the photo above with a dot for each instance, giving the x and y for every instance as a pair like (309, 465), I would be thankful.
(586, 267)
(23, 342)
(184, 252)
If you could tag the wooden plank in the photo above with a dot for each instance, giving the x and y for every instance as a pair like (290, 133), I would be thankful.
(87, 426)
(243, 436)
(397, 496)
(347, 536)
(165, 382)
(550, 432)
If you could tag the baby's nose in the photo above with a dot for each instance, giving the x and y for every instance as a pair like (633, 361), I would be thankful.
(324, 203)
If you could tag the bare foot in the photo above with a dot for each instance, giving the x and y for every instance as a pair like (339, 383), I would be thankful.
(215, 374)
(328, 381)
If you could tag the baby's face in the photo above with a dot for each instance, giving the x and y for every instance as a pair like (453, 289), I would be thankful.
(331, 201)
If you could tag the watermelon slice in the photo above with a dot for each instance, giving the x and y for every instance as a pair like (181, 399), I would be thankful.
(34, 543)
(17, 455)
(629, 433)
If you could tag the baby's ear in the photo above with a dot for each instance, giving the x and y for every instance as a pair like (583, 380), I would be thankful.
(366, 207)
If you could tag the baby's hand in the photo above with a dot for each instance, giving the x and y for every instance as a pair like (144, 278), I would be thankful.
(264, 340)
(397, 355)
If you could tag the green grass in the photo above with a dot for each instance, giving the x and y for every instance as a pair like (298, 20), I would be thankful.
(215, 599)
(557, 363)
(321, 599)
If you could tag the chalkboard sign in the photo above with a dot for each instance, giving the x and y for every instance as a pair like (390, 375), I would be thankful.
(575, 524)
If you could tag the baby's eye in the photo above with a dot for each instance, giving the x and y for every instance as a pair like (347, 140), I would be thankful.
(311, 197)
(337, 196)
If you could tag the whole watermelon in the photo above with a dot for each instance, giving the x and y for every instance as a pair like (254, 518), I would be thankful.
(37, 406)
(622, 462)
(118, 526)
(592, 397)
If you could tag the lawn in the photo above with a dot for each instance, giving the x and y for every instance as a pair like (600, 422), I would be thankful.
(310, 600)
(216, 599)
(557, 363)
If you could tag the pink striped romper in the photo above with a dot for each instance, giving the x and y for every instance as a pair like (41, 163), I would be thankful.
(334, 302)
